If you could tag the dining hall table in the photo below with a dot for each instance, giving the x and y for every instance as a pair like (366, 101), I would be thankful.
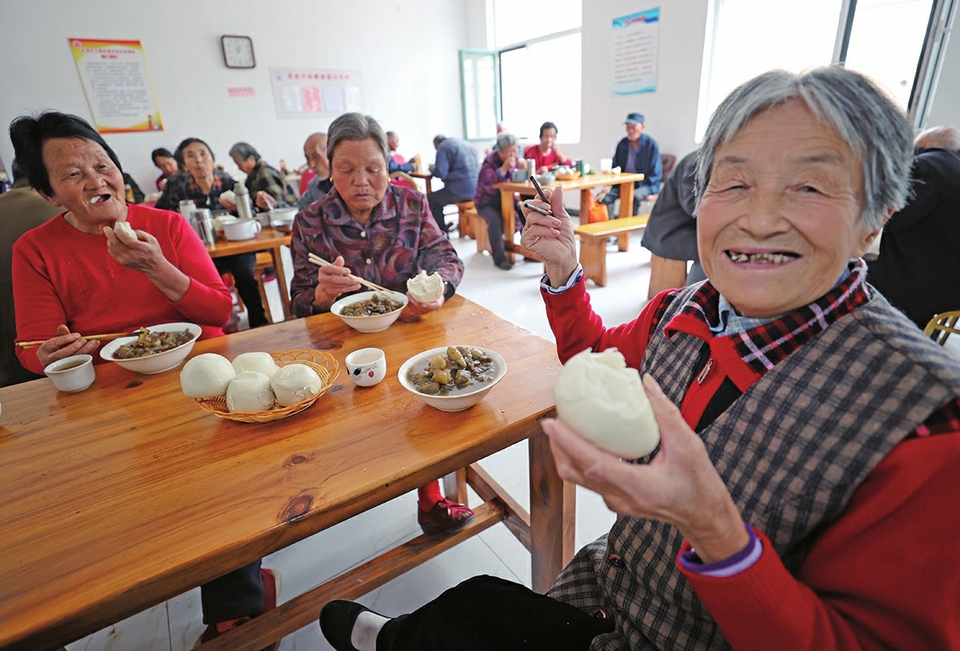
(584, 184)
(127, 494)
(267, 239)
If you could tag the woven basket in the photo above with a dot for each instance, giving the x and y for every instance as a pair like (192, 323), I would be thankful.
(323, 363)
(568, 176)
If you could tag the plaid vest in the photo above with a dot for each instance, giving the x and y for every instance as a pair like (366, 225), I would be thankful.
(791, 450)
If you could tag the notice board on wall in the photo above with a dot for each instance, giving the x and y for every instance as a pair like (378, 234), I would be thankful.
(306, 92)
(117, 84)
(636, 41)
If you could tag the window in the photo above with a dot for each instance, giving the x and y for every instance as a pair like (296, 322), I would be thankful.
(481, 99)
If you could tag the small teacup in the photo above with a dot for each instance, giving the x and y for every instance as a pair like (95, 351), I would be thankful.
(367, 366)
(71, 374)
(606, 165)
(241, 229)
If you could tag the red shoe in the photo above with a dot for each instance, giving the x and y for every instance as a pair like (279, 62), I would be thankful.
(445, 515)
(271, 588)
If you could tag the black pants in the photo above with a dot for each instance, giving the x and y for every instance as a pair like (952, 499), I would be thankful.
(487, 613)
(639, 194)
(232, 596)
(440, 198)
(494, 218)
(241, 267)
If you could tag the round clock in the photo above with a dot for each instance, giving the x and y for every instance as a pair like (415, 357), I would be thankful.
(238, 52)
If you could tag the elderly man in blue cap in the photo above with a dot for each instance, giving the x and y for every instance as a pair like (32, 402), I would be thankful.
(637, 152)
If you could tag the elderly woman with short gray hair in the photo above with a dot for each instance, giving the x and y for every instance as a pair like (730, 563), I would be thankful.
(266, 184)
(808, 430)
(497, 167)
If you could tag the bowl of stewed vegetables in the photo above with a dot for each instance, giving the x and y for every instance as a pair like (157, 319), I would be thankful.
(370, 311)
(153, 349)
(452, 378)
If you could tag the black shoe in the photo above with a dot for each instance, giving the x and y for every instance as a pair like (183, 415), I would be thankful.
(336, 622)
(506, 266)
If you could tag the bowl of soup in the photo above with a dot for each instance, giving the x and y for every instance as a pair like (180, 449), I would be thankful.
(154, 349)
(452, 378)
(370, 311)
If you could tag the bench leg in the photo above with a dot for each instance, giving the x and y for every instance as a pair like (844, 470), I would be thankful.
(665, 274)
(623, 242)
(593, 259)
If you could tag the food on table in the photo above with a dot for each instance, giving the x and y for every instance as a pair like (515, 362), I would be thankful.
(260, 362)
(229, 195)
(604, 401)
(377, 304)
(124, 231)
(424, 288)
(294, 383)
(456, 371)
(151, 343)
(250, 391)
(206, 376)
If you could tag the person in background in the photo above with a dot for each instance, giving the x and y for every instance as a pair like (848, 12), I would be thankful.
(382, 232)
(547, 153)
(497, 167)
(203, 184)
(918, 268)
(638, 152)
(167, 165)
(262, 180)
(131, 190)
(397, 162)
(457, 166)
(671, 231)
(808, 432)
(21, 209)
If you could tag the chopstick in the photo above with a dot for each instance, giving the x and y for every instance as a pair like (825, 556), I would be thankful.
(320, 262)
(106, 337)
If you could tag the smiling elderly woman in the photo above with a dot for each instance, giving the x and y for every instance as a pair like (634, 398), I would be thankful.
(809, 432)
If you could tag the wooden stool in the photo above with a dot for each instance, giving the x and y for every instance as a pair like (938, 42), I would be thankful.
(478, 229)
(264, 260)
(467, 225)
(593, 243)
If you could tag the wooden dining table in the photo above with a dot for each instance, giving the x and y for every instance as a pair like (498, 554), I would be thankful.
(120, 497)
(268, 239)
(426, 176)
(584, 184)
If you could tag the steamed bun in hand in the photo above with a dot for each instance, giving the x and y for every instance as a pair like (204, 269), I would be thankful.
(604, 402)
(125, 232)
(206, 376)
(424, 288)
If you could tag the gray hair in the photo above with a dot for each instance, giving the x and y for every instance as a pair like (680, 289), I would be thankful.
(243, 151)
(504, 140)
(862, 115)
(353, 127)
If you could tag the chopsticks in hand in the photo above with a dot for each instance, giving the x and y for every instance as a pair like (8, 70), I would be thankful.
(107, 337)
(320, 262)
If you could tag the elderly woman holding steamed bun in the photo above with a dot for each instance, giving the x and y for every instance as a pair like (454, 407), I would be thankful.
(77, 273)
(808, 430)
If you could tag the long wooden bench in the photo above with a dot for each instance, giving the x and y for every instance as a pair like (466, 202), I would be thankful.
(593, 243)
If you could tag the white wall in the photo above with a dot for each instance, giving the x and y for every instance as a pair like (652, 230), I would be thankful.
(945, 108)
(407, 52)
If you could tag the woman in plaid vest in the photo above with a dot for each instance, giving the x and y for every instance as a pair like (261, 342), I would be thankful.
(810, 434)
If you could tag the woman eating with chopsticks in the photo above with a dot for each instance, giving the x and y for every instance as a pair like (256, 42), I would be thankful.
(379, 233)
(76, 275)
(366, 227)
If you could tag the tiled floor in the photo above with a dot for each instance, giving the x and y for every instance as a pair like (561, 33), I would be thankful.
(514, 294)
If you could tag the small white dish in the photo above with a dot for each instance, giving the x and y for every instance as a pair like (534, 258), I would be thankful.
(374, 322)
(366, 366)
(71, 374)
(241, 229)
(458, 401)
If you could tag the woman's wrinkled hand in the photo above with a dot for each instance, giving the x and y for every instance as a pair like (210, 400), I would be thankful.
(551, 236)
(227, 204)
(422, 308)
(266, 201)
(64, 344)
(333, 281)
(679, 486)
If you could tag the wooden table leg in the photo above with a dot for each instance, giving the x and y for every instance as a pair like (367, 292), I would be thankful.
(282, 282)
(626, 200)
(455, 486)
(552, 515)
(593, 259)
(509, 221)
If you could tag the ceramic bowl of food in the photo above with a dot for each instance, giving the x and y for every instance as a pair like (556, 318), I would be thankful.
(157, 349)
(546, 179)
(473, 371)
(370, 311)
(282, 218)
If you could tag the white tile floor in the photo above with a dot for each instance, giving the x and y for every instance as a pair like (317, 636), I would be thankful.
(514, 294)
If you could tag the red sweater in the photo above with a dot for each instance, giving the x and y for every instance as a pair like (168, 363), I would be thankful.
(61, 275)
(883, 576)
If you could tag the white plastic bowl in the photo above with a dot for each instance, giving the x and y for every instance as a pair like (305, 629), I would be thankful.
(374, 323)
(459, 401)
(160, 362)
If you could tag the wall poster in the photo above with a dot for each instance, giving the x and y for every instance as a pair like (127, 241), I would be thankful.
(635, 50)
(117, 84)
(305, 93)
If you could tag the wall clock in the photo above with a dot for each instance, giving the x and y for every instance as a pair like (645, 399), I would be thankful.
(238, 52)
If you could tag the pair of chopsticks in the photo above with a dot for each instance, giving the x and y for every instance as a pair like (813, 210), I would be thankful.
(106, 337)
(320, 262)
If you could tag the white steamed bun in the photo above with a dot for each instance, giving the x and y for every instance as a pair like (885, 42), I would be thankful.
(294, 383)
(260, 362)
(206, 376)
(125, 232)
(603, 401)
(250, 391)
(424, 288)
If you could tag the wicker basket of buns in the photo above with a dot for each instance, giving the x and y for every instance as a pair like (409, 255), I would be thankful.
(323, 363)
